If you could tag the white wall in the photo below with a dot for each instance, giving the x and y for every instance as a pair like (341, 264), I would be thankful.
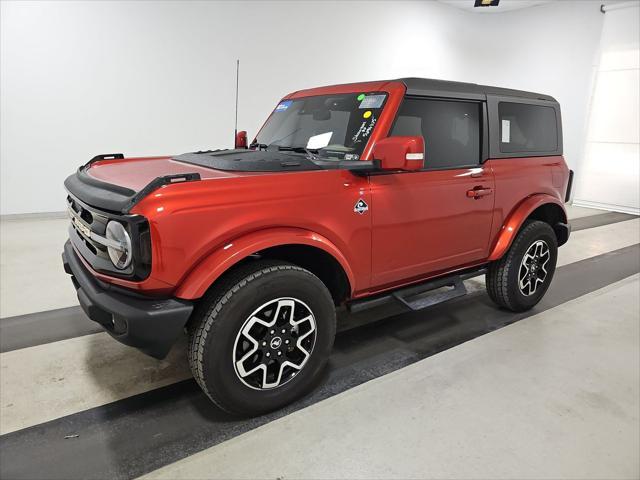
(610, 173)
(157, 77)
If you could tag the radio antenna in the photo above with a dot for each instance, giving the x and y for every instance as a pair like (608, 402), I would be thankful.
(235, 130)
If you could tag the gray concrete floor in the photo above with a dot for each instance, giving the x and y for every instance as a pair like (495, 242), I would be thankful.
(30, 259)
(553, 396)
(574, 211)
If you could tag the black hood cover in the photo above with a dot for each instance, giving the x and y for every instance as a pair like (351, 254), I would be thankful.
(243, 160)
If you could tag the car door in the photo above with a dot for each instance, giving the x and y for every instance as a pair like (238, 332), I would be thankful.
(439, 218)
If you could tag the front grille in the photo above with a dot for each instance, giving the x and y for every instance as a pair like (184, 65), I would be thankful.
(93, 252)
(86, 216)
(84, 213)
(92, 220)
(79, 238)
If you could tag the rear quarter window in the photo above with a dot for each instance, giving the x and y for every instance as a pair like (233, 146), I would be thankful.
(527, 128)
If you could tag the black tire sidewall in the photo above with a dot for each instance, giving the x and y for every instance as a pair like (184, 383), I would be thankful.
(218, 369)
(530, 234)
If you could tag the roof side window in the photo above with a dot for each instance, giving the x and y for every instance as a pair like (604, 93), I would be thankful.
(527, 128)
(451, 130)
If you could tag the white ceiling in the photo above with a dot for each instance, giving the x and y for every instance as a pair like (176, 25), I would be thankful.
(504, 6)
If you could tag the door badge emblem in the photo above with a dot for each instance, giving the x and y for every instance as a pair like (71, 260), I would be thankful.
(361, 207)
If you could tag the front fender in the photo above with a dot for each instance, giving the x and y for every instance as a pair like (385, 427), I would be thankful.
(515, 220)
(196, 283)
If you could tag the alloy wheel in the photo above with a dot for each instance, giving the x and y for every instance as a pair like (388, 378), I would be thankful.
(533, 268)
(274, 343)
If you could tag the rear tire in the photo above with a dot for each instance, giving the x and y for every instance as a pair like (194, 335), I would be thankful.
(261, 338)
(519, 280)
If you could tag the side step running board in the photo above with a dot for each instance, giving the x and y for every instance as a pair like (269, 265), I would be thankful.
(417, 297)
(425, 299)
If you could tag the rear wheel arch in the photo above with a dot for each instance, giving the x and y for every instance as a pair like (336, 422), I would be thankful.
(555, 216)
(541, 207)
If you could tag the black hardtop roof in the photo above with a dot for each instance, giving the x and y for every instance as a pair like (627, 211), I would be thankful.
(437, 88)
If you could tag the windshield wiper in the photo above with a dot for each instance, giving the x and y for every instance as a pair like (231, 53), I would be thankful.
(259, 146)
(298, 149)
(312, 152)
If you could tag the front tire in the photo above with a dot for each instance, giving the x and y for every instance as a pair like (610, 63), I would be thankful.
(262, 337)
(519, 280)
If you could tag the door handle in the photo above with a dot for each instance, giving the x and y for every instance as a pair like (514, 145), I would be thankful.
(479, 192)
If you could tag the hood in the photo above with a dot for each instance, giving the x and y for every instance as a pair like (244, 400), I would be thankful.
(137, 173)
(118, 184)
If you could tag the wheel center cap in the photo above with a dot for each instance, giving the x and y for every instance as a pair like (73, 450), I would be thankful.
(275, 343)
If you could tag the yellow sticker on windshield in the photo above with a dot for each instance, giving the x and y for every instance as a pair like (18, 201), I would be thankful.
(366, 114)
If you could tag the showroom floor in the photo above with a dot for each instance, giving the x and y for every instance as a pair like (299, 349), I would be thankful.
(461, 390)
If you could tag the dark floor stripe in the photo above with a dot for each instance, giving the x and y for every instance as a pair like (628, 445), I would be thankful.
(599, 220)
(45, 327)
(130, 437)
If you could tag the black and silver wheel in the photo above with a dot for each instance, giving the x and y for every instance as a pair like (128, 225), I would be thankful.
(274, 343)
(519, 280)
(533, 268)
(261, 338)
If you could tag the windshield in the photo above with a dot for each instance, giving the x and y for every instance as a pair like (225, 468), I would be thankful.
(337, 126)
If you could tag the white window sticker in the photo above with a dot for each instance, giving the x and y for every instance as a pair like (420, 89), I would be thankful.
(319, 141)
(372, 101)
(506, 131)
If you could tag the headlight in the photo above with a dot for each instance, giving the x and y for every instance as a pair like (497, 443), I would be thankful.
(120, 255)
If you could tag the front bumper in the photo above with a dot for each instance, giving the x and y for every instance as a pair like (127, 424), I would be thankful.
(152, 325)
